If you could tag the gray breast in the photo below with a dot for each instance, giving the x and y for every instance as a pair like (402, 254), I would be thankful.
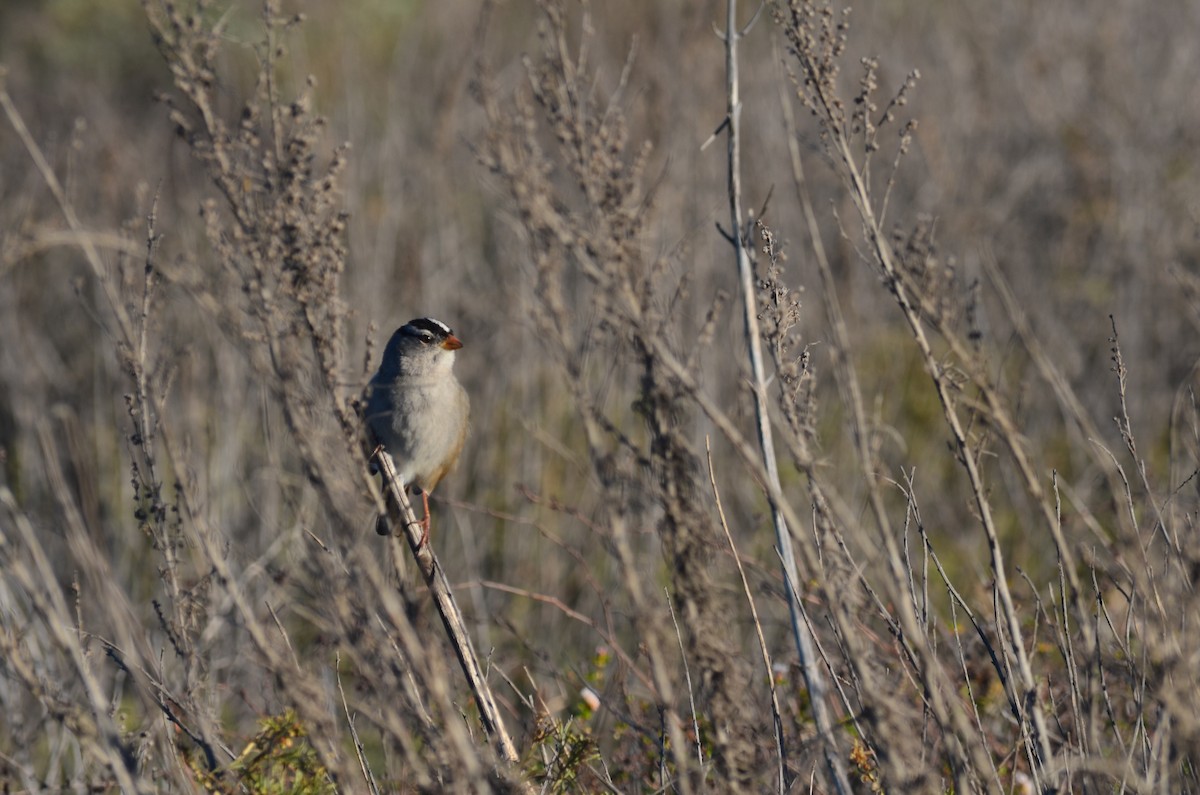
(420, 425)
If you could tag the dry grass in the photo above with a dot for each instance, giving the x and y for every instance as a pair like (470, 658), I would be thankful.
(974, 240)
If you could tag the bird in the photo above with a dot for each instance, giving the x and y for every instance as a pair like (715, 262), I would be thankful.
(416, 409)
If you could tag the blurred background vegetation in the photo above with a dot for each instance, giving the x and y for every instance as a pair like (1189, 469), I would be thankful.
(1057, 141)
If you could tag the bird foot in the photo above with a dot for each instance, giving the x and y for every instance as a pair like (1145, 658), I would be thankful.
(425, 521)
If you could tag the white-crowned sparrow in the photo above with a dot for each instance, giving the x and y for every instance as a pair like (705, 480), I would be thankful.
(416, 409)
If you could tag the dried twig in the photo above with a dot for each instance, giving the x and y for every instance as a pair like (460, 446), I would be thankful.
(447, 607)
(813, 678)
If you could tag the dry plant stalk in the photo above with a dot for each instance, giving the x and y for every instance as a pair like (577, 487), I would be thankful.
(975, 411)
(447, 607)
(740, 237)
(584, 211)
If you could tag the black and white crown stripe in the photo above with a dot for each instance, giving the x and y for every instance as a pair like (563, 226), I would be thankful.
(428, 325)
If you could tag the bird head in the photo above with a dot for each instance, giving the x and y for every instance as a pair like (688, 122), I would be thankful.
(422, 346)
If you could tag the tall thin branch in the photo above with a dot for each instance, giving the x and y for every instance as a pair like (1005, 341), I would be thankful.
(447, 607)
(813, 678)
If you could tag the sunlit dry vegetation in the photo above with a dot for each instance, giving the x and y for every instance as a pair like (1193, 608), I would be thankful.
(844, 442)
